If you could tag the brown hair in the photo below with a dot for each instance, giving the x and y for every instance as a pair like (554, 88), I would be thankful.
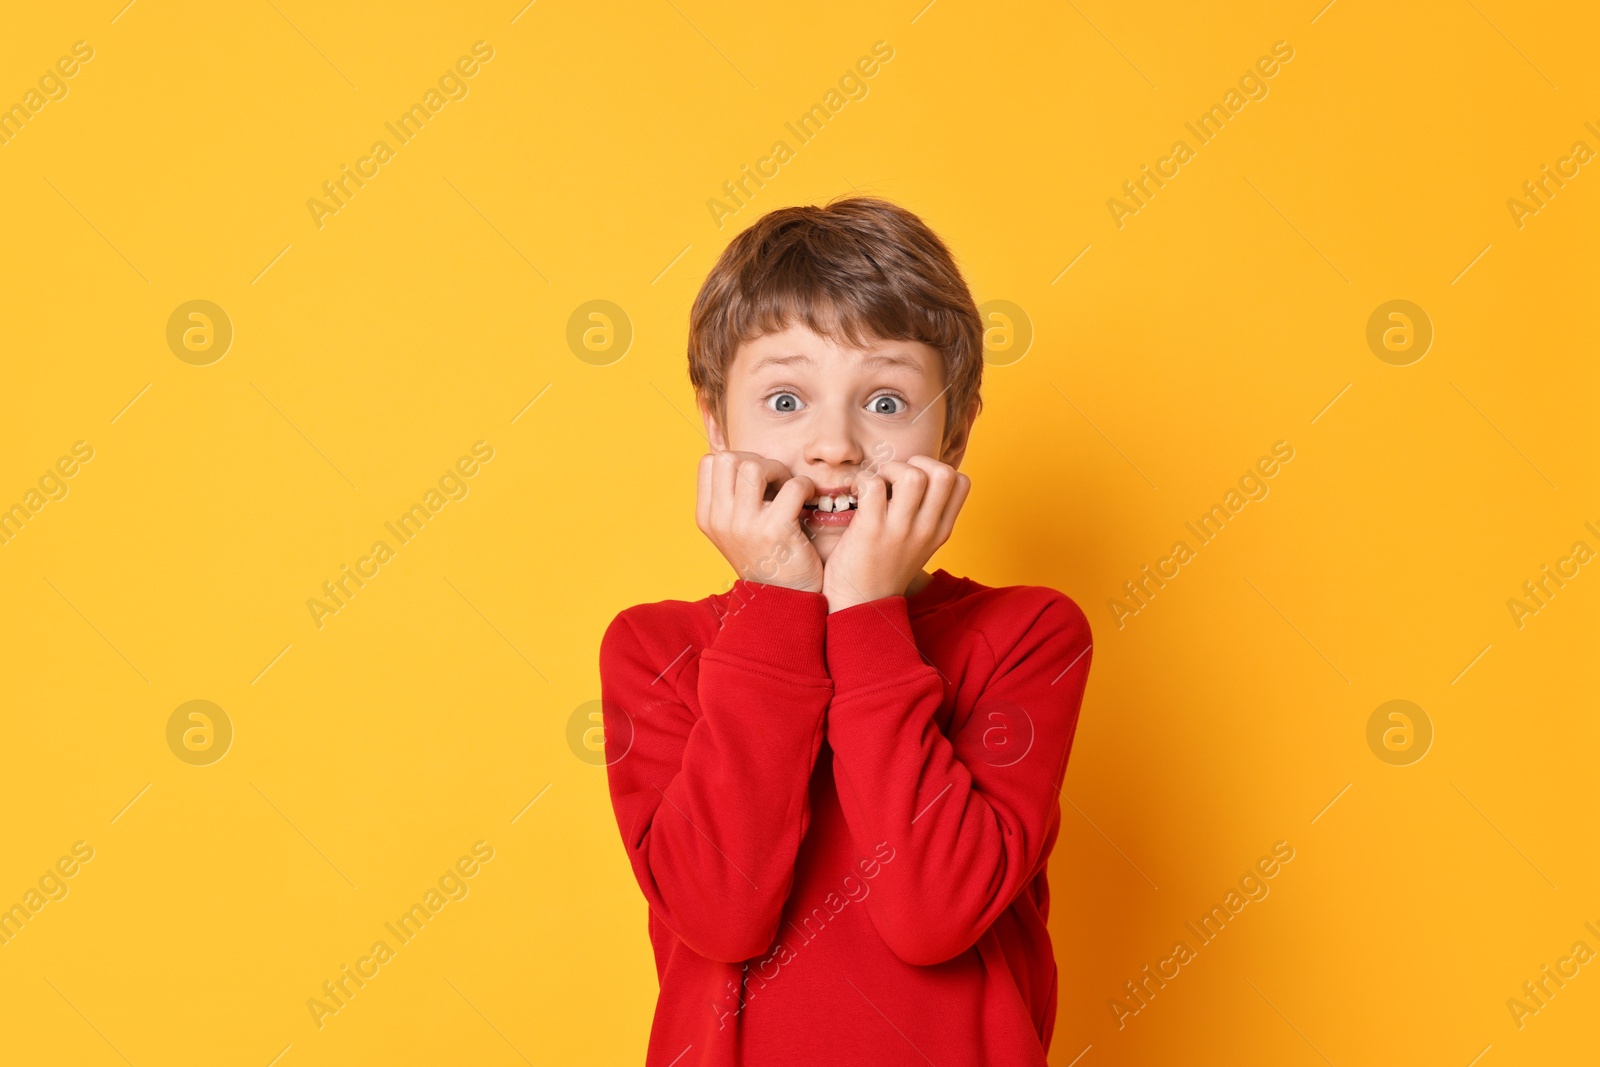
(859, 269)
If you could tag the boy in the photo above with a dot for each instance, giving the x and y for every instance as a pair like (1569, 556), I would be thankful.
(837, 782)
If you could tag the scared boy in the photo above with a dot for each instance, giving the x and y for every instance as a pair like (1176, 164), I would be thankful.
(837, 782)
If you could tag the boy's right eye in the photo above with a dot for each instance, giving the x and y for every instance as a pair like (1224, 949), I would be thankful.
(783, 402)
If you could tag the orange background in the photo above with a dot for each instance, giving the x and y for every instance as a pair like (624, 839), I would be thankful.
(431, 311)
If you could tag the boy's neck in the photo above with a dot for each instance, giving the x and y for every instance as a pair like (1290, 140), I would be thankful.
(917, 583)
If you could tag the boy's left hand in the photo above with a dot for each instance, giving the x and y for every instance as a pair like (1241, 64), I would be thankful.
(889, 540)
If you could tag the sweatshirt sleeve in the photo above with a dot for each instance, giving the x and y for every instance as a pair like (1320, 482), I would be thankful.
(712, 808)
(975, 811)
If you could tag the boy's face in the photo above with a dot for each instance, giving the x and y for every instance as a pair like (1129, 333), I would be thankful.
(829, 412)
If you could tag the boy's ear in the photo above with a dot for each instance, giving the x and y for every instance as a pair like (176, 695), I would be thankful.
(956, 449)
(713, 429)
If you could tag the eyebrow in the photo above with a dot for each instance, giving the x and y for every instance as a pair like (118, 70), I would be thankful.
(880, 359)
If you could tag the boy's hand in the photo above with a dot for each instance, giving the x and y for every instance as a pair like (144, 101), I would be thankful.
(762, 539)
(889, 540)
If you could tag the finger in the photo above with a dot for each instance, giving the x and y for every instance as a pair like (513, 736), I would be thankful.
(907, 486)
(775, 475)
(952, 508)
(792, 496)
(722, 481)
(702, 498)
(872, 501)
(750, 490)
(941, 480)
(765, 473)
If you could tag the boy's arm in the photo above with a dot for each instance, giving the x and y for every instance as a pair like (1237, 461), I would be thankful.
(972, 812)
(712, 809)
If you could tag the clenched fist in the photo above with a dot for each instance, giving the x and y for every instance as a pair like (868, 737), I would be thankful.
(890, 537)
(761, 538)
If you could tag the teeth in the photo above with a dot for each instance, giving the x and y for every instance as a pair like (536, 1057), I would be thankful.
(841, 502)
(825, 503)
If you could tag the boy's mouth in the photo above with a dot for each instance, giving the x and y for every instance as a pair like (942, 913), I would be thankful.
(835, 506)
(831, 502)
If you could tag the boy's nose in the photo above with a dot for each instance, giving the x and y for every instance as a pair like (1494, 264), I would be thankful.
(835, 442)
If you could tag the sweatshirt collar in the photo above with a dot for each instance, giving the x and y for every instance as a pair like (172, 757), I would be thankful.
(942, 588)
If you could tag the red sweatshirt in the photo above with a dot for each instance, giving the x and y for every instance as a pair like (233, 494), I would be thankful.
(841, 822)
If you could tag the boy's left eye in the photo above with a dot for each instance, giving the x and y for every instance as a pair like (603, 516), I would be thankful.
(891, 400)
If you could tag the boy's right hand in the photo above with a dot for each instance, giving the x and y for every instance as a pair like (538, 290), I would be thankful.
(762, 539)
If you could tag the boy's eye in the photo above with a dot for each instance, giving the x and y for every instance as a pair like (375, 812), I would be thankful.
(885, 405)
(784, 402)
